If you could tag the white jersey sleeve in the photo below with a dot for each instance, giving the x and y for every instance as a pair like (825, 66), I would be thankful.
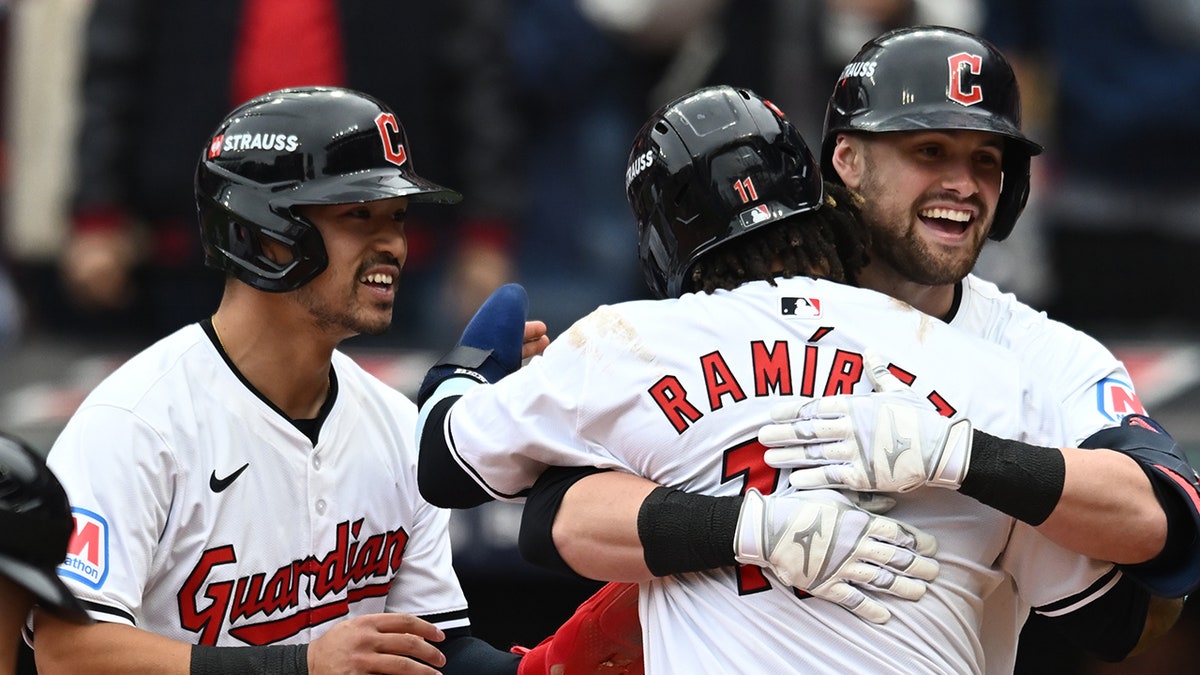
(542, 409)
(116, 531)
(1091, 389)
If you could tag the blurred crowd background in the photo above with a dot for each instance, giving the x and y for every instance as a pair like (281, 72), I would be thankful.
(528, 107)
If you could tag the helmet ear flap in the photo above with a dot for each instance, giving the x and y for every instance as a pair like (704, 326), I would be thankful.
(233, 225)
(1014, 193)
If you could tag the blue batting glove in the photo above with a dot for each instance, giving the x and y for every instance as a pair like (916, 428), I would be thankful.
(490, 346)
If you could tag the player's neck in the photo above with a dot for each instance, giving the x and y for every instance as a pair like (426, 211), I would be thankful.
(282, 361)
(935, 301)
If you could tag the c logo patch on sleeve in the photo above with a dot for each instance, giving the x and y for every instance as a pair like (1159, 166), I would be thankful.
(87, 554)
(1115, 399)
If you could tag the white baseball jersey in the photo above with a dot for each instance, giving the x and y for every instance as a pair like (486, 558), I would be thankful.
(676, 391)
(203, 514)
(1091, 390)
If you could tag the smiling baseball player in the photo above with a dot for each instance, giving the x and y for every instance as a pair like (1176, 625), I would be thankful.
(244, 494)
(676, 390)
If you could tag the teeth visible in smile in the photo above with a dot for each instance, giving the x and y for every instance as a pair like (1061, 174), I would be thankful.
(947, 214)
(377, 279)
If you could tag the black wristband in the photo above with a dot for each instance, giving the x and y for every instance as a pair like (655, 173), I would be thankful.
(1025, 481)
(267, 660)
(682, 532)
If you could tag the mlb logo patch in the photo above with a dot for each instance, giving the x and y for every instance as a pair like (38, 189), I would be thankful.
(87, 553)
(804, 308)
(758, 214)
(1115, 399)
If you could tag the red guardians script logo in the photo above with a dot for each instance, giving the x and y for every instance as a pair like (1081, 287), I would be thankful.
(354, 570)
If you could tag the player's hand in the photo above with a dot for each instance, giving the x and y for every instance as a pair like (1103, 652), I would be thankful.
(536, 339)
(819, 543)
(888, 441)
(492, 345)
(377, 643)
(604, 635)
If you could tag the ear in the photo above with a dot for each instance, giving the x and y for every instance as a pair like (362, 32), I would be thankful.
(848, 160)
(274, 251)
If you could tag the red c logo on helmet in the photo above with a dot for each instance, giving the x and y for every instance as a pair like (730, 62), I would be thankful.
(972, 63)
(389, 131)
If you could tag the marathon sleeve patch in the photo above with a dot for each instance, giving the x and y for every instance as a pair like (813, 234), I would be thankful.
(87, 553)
(1116, 399)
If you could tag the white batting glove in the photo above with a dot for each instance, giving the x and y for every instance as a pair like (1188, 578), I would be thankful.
(819, 543)
(888, 441)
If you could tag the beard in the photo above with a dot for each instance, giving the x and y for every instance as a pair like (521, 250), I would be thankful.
(348, 317)
(896, 240)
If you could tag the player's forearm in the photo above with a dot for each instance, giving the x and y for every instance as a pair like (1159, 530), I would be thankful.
(596, 529)
(71, 649)
(14, 602)
(1106, 491)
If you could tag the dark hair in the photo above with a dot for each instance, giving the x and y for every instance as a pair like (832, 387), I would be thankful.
(830, 242)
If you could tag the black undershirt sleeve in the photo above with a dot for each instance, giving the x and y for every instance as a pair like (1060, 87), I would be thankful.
(468, 655)
(536, 537)
(1109, 627)
(441, 480)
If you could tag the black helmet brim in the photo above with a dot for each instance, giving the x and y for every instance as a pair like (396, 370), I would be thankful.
(48, 590)
(371, 186)
(935, 118)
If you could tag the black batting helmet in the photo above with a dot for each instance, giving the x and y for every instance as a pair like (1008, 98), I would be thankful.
(934, 77)
(35, 528)
(708, 167)
(310, 145)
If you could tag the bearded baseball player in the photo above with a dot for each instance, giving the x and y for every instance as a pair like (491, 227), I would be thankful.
(920, 98)
(736, 239)
(244, 495)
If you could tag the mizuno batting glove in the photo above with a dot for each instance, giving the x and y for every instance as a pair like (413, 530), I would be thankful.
(490, 346)
(819, 543)
(888, 441)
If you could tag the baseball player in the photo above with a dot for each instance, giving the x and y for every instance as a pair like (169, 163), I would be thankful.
(734, 237)
(930, 86)
(36, 521)
(244, 495)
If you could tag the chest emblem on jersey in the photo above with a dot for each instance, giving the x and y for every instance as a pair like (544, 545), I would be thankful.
(358, 567)
(1115, 399)
(219, 484)
(87, 553)
(801, 308)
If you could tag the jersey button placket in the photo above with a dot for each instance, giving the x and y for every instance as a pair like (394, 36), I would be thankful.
(320, 504)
